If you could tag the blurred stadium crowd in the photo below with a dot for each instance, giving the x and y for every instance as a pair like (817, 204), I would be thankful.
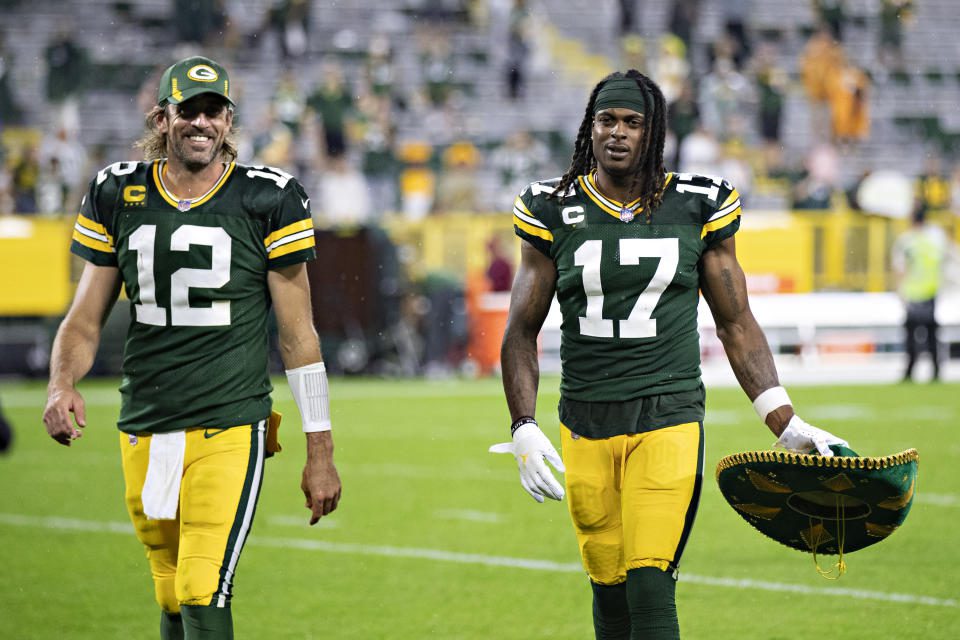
(409, 110)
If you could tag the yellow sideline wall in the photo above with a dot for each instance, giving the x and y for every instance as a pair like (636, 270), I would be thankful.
(35, 266)
(795, 252)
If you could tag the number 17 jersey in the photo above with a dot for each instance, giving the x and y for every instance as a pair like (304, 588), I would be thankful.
(628, 285)
(195, 271)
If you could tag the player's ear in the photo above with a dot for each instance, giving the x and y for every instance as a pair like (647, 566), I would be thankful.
(161, 119)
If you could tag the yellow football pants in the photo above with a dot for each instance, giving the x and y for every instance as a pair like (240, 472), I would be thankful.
(633, 498)
(193, 558)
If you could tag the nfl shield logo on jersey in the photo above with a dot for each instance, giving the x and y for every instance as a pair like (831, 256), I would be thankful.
(627, 214)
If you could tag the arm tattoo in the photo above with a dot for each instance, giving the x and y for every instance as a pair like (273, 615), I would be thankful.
(759, 370)
(731, 291)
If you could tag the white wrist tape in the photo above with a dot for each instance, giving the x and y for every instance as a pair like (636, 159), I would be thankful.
(308, 384)
(770, 400)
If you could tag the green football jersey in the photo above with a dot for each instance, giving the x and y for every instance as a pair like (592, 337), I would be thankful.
(195, 272)
(628, 286)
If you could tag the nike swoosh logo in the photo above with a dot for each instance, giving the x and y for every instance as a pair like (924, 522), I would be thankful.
(209, 433)
(306, 203)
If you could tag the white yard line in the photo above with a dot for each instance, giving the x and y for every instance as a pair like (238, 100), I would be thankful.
(937, 499)
(469, 515)
(55, 523)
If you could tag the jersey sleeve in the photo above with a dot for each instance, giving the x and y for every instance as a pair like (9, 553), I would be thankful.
(290, 231)
(528, 220)
(92, 233)
(722, 222)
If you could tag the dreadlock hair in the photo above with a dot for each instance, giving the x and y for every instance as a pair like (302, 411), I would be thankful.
(153, 144)
(649, 175)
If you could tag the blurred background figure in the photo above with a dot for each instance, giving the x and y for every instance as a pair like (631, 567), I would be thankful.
(514, 160)
(499, 270)
(290, 22)
(6, 433)
(818, 180)
(199, 22)
(417, 179)
(67, 64)
(459, 188)
(920, 258)
(773, 84)
(820, 61)
(849, 95)
(518, 49)
(833, 14)
(342, 199)
(894, 14)
(10, 110)
(63, 162)
(332, 103)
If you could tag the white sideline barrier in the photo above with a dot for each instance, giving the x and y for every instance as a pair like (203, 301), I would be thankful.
(818, 337)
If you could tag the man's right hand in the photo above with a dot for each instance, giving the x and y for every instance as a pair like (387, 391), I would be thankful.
(530, 447)
(61, 402)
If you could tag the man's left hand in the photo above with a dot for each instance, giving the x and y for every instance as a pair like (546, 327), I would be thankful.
(320, 482)
(801, 437)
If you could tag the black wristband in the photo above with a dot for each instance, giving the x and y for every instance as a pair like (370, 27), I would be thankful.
(519, 422)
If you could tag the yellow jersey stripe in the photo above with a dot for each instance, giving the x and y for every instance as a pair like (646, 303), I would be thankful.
(93, 243)
(734, 195)
(518, 203)
(722, 212)
(96, 227)
(528, 218)
(532, 230)
(93, 235)
(720, 223)
(290, 247)
(299, 225)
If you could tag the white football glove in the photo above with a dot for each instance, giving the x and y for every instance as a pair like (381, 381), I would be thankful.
(801, 437)
(530, 447)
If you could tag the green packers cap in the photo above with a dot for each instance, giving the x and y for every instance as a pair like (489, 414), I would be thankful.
(190, 77)
(821, 505)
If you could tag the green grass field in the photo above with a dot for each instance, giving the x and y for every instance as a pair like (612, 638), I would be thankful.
(435, 538)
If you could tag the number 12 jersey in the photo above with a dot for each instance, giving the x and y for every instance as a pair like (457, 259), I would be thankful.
(195, 272)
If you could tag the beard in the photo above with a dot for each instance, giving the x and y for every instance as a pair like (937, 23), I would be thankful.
(193, 160)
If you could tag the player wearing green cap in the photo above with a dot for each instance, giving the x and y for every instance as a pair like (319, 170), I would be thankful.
(626, 247)
(203, 248)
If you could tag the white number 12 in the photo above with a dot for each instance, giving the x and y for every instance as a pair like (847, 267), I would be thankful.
(639, 324)
(143, 242)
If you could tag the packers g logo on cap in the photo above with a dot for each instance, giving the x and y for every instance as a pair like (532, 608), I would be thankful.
(191, 77)
(202, 73)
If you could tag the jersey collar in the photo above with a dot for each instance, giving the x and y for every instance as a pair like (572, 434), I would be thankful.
(613, 207)
(159, 168)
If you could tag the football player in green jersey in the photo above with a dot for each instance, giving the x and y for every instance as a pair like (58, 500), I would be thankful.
(203, 248)
(626, 248)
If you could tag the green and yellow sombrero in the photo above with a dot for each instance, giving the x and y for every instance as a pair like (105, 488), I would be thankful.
(821, 505)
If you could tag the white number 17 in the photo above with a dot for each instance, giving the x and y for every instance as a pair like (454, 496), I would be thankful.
(639, 324)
